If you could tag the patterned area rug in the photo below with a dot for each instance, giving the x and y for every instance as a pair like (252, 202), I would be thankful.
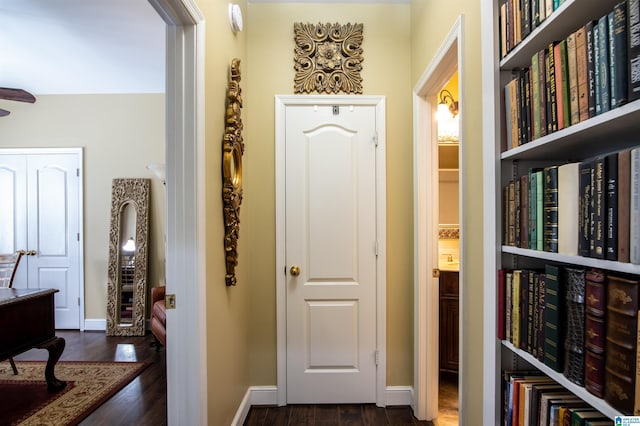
(24, 399)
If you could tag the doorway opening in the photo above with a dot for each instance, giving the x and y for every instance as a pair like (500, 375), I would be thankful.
(439, 237)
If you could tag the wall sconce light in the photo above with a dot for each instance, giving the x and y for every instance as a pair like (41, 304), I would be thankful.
(235, 17)
(158, 171)
(129, 246)
(447, 107)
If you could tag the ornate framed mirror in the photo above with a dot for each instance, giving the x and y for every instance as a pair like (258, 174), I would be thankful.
(128, 236)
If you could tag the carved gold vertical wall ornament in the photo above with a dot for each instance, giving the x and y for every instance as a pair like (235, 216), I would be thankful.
(328, 58)
(232, 150)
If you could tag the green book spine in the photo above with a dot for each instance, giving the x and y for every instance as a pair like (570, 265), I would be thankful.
(553, 336)
(535, 102)
(550, 206)
(539, 210)
(533, 210)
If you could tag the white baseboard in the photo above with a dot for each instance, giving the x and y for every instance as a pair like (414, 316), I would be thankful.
(95, 324)
(268, 395)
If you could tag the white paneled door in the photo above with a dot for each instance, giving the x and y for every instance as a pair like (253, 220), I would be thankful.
(40, 214)
(331, 254)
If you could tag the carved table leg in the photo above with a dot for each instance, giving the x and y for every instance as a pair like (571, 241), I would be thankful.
(55, 347)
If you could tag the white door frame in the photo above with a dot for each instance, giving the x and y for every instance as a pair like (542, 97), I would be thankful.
(185, 206)
(281, 103)
(444, 63)
(79, 153)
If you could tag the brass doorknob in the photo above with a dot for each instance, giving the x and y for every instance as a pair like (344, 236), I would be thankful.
(31, 253)
(295, 271)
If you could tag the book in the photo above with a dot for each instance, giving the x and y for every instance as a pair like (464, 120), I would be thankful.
(542, 102)
(621, 343)
(561, 83)
(633, 49)
(524, 211)
(503, 30)
(591, 68)
(501, 305)
(634, 207)
(511, 218)
(511, 110)
(584, 219)
(572, 70)
(579, 418)
(598, 216)
(515, 308)
(550, 206)
(535, 96)
(581, 73)
(552, 105)
(595, 307)
(539, 322)
(603, 87)
(611, 206)
(554, 319)
(539, 209)
(568, 208)
(618, 54)
(624, 177)
(517, 210)
(574, 282)
(509, 305)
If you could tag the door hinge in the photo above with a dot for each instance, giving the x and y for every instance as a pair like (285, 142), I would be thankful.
(78, 236)
(78, 172)
(377, 357)
(336, 110)
(78, 301)
(376, 248)
(375, 138)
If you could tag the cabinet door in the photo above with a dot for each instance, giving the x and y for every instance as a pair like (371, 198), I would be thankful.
(449, 321)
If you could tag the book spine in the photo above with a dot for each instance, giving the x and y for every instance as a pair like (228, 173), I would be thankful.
(539, 210)
(611, 206)
(531, 300)
(599, 212)
(602, 57)
(527, 105)
(503, 30)
(564, 82)
(634, 208)
(515, 313)
(542, 101)
(509, 305)
(517, 210)
(624, 178)
(595, 307)
(501, 304)
(621, 343)
(550, 235)
(558, 60)
(568, 208)
(535, 101)
(574, 279)
(511, 220)
(584, 203)
(524, 214)
(618, 54)
(581, 72)
(572, 69)
(552, 105)
(542, 290)
(554, 325)
(533, 210)
(526, 18)
(535, 14)
(591, 68)
(633, 49)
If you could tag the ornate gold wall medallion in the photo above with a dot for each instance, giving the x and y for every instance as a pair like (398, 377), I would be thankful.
(232, 150)
(328, 58)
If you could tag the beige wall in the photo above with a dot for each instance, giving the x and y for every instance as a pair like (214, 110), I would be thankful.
(227, 307)
(430, 24)
(120, 135)
(386, 71)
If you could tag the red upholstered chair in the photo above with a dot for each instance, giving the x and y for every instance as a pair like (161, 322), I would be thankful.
(158, 316)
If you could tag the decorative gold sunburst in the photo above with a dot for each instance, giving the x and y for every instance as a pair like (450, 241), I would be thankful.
(328, 58)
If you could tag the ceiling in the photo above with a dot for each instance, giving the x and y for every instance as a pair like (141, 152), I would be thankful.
(81, 46)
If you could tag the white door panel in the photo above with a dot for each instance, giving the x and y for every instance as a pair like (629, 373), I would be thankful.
(46, 200)
(331, 237)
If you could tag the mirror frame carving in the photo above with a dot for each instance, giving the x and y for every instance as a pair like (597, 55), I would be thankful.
(136, 192)
(232, 150)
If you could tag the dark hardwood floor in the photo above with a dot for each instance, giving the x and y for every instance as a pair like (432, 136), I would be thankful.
(144, 400)
(331, 415)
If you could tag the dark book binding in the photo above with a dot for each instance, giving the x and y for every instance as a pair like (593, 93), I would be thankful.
(599, 218)
(585, 202)
(524, 213)
(591, 70)
(603, 87)
(595, 307)
(618, 54)
(624, 181)
(550, 233)
(611, 206)
(554, 319)
(583, 78)
(574, 279)
(633, 49)
(621, 343)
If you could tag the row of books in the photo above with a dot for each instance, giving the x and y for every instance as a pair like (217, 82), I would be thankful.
(533, 399)
(590, 208)
(519, 17)
(595, 69)
(581, 323)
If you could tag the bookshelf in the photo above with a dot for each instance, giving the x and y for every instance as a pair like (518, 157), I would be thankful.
(611, 131)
